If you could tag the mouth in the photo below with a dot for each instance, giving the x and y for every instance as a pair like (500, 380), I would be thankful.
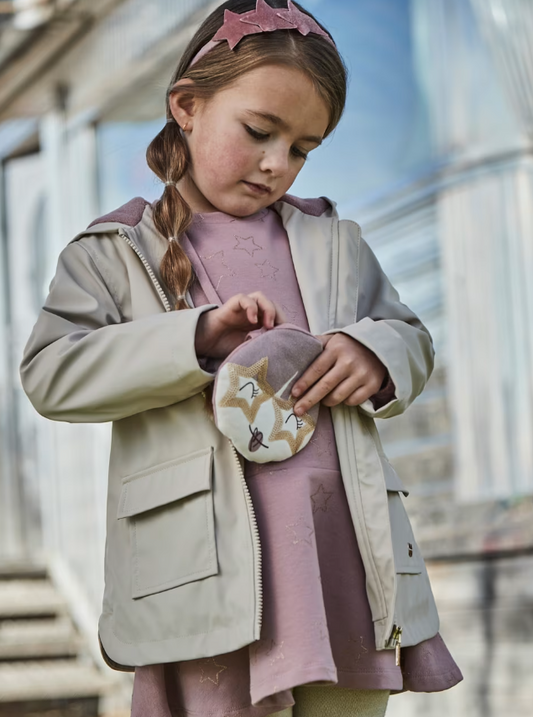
(260, 189)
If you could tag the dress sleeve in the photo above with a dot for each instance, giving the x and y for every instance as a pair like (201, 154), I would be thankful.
(84, 362)
(394, 333)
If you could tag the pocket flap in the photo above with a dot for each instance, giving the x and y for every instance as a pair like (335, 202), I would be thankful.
(165, 483)
(392, 481)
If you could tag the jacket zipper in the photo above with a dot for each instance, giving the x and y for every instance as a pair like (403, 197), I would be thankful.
(149, 269)
(395, 639)
(256, 546)
(251, 512)
(395, 642)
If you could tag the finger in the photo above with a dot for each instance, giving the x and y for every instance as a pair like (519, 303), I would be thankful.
(267, 311)
(359, 396)
(326, 385)
(343, 392)
(281, 317)
(248, 305)
(313, 373)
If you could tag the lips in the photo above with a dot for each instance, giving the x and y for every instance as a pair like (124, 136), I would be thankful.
(260, 189)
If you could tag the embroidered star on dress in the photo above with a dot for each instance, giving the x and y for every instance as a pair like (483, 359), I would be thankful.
(211, 671)
(321, 447)
(301, 532)
(290, 313)
(244, 244)
(275, 652)
(354, 650)
(268, 271)
(320, 499)
(222, 259)
(321, 628)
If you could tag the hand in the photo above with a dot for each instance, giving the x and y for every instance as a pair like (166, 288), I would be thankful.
(345, 372)
(221, 330)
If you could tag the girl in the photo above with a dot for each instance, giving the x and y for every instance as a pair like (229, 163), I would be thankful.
(288, 587)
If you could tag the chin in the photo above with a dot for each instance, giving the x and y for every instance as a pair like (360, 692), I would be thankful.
(244, 209)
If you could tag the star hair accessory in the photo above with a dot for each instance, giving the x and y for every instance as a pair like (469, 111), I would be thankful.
(263, 19)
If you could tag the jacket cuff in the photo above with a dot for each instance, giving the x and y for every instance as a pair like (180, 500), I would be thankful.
(382, 339)
(191, 369)
(385, 395)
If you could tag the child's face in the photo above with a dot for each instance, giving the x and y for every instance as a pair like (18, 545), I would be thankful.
(249, 141)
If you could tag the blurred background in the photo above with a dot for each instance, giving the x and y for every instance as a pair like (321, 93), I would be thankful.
(434, 159)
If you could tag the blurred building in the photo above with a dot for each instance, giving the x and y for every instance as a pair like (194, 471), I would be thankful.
(433, 159)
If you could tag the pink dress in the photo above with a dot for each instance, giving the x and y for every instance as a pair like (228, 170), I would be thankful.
(317, 625)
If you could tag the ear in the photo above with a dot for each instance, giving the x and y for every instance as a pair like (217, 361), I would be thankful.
(184, 105)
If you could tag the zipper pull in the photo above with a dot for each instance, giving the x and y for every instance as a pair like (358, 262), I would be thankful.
(398, 646)
(395, 641)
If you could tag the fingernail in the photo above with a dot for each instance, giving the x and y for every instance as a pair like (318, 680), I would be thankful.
(296, 392)
(298, 411)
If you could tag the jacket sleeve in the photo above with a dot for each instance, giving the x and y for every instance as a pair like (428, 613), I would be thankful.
(85, 363)
(394, 333)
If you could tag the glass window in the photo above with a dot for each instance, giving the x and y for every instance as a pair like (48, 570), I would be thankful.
(384, 134)
(122, 169)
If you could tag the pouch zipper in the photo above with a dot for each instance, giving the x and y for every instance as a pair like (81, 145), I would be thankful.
(258, 559)
(149, 269)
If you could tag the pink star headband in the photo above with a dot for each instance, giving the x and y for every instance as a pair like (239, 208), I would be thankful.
(263, 19)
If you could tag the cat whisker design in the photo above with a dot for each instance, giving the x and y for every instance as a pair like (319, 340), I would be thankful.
(299, 422)
(255, 391)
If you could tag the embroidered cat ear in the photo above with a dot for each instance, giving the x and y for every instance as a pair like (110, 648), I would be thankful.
(252, 404)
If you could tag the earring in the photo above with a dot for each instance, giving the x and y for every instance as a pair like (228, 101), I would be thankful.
(185, 127)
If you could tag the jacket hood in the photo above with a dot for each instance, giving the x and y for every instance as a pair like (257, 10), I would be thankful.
(131, 213)
(135, 219)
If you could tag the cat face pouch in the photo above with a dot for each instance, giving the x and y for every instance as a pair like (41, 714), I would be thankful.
(252, 400)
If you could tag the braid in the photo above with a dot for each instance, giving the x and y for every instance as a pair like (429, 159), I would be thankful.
(168, 157)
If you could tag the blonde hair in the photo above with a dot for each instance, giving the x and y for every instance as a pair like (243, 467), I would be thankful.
(168, 155)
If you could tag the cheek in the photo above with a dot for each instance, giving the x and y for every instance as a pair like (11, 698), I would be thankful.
(220, 158)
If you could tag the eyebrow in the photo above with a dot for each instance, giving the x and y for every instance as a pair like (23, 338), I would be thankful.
(278, 122)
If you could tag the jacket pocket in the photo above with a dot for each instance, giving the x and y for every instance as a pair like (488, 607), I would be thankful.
(407, 556)
(169, 509)
(414, 609)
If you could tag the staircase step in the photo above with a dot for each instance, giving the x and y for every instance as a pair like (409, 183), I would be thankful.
(21, 569)
(26, 598)
(80, 707)
(37, 638)
(49, 679)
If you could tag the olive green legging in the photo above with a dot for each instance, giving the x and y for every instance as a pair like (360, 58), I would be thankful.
(318, 701)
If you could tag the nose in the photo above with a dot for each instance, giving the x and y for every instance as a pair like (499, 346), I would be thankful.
(275, 160)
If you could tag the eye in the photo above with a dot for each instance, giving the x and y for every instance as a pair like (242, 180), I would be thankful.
(255, 134)
(299, 422)
(300, 154)
(255, 391)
